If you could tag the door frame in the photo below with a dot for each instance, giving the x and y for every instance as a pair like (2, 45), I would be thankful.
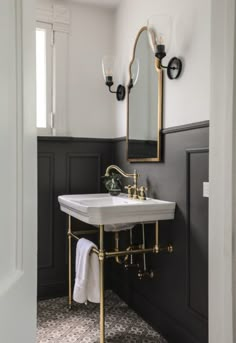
(18, 173)
(222, 175)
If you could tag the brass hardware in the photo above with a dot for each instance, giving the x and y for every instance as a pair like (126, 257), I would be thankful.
(130, 252)
(142, 194)
(131, 244)
(143, 247)
(131, 263)
(145, 274)
(129, 187)
(70, 235)
(113, 166)
(156, 247)
(101, 276)
(135, 194)
(102, 254)
(84, 232)
(74, 236)
(117, 258)
(127, 175)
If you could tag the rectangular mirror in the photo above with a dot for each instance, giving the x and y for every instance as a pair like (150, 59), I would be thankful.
(144, 104)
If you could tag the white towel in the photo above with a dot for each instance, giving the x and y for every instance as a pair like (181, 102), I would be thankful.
(87, 273)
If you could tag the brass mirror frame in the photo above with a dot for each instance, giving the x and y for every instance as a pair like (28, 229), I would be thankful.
(159, 107)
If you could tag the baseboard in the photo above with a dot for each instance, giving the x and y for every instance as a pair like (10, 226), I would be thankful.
(52, 290)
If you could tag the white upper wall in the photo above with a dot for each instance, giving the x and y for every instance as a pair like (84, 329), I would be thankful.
(187, 99)
(91, 111)
(90, 105)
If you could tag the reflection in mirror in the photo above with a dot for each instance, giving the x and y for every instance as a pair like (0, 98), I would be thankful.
(144, 103)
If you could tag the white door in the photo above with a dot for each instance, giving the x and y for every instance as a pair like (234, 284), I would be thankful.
(222, 200)
(18, 221)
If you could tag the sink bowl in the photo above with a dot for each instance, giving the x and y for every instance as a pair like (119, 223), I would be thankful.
(104, 209)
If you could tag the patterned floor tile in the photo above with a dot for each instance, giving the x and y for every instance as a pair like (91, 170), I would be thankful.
(56, 324)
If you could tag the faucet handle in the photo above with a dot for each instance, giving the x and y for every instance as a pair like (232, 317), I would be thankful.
(129, 187)
(142, 194)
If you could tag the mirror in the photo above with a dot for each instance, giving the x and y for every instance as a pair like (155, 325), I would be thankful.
(144, 112)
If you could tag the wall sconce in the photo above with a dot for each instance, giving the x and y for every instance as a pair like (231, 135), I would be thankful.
(108, 64)
(159, 33)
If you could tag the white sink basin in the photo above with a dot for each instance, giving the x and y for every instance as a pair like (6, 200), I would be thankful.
(104, 209)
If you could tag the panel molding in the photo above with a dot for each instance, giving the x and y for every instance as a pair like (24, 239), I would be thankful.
(51, 157)
(189, 152)
(186, 127)
(70, 156)
(76, 139)
(174, 129)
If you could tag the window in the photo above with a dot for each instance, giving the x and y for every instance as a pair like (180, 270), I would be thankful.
(44, 86)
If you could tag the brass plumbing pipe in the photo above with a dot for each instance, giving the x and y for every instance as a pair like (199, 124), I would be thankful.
(144, 246)
(168, 248)
(85, 232)
(117, 258)
(128, 252)
(69, 264)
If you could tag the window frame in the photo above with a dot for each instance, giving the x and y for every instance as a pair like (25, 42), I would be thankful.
(48, 130)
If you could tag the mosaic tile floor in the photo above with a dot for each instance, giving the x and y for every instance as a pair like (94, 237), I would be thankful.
(56, 324)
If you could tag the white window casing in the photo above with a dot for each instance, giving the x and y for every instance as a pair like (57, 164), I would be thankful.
(55, 19)
(44, 78)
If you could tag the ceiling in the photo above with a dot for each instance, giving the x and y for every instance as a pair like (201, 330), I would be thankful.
(102, 3)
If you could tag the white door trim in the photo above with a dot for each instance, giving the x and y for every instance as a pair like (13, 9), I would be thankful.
(221, 224)
(18, 173)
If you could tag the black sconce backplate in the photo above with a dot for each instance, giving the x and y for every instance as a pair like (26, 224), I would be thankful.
(174, 68)
(120, 93)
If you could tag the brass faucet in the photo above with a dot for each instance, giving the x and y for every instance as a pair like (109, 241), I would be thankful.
(132, 190)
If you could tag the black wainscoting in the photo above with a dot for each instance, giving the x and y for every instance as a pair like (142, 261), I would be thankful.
(176, 301)
(65, 166)
(138, 148)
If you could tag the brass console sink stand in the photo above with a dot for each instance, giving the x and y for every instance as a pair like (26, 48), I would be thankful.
(102, 254)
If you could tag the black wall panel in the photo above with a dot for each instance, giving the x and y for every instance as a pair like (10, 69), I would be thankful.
(65, 166)
(45, 209)
(197, 226)
(175, 301)
(83, 173)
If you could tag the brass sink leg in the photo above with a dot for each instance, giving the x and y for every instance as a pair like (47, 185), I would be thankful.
(101, 272)
(131, 244)
(69, 264)
(156, 247)
(144, 273)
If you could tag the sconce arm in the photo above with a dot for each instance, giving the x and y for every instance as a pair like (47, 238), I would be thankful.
(120, 92)
(166, 67)
(111, 91)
